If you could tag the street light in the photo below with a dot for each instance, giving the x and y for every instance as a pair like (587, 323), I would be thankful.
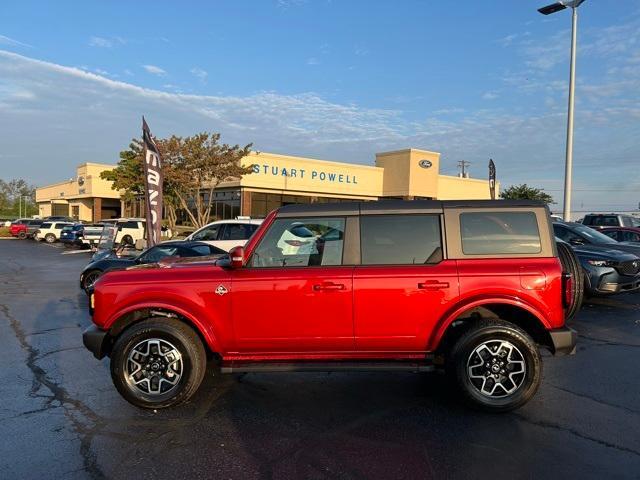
(548, 10)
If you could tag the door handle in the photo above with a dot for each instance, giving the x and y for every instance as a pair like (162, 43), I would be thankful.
(328, 286)
(433, 285)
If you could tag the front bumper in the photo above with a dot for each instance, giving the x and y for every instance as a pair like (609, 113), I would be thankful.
(563, 340)
(95, 340)
(607, 281)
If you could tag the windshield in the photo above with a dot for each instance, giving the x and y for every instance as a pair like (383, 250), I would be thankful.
(592, 235)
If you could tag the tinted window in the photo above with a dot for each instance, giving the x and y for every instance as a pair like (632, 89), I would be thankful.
(128, 224)
(613, 234)
(155, 254)
(45, 225)
(301, 242)
(236, 231)
(489, 233)
(400, 239)
(627, 221)
(207, 233)
(207, 250)
(628, 237)
(35, 223)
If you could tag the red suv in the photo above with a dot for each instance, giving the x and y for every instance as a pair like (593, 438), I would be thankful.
(474, 287)
(18, 228)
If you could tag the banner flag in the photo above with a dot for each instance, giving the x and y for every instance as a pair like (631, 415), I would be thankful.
(492, 179)
(153, 186)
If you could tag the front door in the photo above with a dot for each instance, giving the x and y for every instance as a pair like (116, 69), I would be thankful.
(294, 294)
(404, 285)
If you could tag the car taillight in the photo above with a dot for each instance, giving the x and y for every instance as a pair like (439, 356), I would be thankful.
(567, 280)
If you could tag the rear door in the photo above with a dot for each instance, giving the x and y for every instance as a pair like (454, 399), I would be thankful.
(403, 285)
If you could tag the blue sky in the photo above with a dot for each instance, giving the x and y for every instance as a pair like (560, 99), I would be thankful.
(338, 80)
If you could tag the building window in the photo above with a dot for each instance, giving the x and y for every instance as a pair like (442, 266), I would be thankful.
(263, 203)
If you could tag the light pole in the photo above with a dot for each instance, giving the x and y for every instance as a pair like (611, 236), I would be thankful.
(568, 166)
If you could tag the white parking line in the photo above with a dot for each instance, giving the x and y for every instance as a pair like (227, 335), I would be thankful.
(73, 252)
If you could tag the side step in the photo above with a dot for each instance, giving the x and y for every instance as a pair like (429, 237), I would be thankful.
(311, 366)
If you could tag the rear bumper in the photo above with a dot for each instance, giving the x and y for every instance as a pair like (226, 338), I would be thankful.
(563, 340)
(94, 340)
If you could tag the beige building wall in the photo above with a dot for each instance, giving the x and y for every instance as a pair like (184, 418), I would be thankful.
(456, 188)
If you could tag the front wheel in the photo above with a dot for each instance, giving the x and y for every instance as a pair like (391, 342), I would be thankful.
(158, 363)
(90, 278)
(496, 366)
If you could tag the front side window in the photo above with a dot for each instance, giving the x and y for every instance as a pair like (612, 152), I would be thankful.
(499, 233)
(207, 233)
(400, 239)
(236, 231)
(301, 242)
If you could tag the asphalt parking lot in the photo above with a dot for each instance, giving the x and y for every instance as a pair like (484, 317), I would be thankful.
(61, 417)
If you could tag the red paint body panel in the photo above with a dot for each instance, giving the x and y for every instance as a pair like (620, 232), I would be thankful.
(397, 307)
(331, 313)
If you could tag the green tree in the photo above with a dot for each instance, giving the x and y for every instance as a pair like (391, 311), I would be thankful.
(525, 192)
(17, 196)
(192, 168)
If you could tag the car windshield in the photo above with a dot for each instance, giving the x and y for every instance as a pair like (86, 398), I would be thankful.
(592, 235)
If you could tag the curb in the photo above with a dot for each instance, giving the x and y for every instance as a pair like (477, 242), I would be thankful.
(9, 238)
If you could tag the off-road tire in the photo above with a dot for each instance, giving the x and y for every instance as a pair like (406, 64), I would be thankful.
(487, 330)
(178, 334)
(571, 264)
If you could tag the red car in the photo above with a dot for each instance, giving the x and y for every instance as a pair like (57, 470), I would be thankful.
(473, 287)
(18, 228)
(622, 234)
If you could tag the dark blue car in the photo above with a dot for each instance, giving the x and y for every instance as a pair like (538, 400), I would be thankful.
(71, 235)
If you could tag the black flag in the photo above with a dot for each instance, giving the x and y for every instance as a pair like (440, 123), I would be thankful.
(492, 179)
(153, 186)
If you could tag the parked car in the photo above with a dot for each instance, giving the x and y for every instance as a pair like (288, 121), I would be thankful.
(18, 228)
(599, 220)
(607, 270)
(103, 264)
(418, 285)
(130, 230)
(226, 234)
(71, 235)
(33, 226)
(577, 234)
(622, 234)
(50, 231)
(59, 218)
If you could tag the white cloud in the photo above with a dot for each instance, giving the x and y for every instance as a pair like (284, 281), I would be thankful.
(104, 42)
(489, 96)
(11, 42)
(155, 70)
(313, 61)
(199, 73)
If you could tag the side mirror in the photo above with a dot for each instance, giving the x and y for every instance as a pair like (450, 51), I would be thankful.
(576, 241)
(120, 228)
(236, 256)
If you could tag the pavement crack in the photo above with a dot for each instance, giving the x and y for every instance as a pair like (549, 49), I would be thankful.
(594, 399)
(574, 432)
(603, 341)
(60, 395)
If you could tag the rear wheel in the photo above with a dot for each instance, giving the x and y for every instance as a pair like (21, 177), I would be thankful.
(127, 240)
(158, 363)
(571, 264)
(50, 238)
(496, 366)
(22, 235)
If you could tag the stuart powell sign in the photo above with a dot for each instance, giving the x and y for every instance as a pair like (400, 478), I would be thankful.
(153, 186)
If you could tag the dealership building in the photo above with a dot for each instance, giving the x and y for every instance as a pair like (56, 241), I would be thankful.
(278, 180)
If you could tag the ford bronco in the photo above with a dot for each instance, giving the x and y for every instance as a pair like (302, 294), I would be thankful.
(474, 288)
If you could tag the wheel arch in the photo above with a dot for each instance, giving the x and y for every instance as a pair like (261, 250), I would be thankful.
(139, 313)
(511, 310)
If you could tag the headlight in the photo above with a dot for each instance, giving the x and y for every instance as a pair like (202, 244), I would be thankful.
(601, 263)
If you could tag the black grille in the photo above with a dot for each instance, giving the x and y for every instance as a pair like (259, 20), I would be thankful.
(632, 267)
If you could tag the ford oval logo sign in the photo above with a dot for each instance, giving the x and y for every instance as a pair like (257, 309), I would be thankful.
(425, 163)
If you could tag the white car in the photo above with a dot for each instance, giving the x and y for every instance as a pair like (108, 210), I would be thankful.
(50, 231)
(226, 234)
(130, 230)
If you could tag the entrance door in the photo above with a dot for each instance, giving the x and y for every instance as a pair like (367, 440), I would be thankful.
(403, 286)
(294, 295)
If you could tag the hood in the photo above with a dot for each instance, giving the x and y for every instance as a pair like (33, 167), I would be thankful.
(603, 252)
(630, 247)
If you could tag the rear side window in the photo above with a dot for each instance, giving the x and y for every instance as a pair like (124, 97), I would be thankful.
(236, 231)
(497, 233)
(46, 225)
(128, 224)
(400, 239)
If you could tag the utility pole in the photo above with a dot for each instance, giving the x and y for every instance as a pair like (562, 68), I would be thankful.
(462, 165)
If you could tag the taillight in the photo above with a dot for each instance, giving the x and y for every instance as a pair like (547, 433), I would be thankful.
(567, 280)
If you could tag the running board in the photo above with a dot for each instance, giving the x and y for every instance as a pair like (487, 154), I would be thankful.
(263, 367)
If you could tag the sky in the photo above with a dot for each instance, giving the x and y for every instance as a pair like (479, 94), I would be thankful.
(335, 80)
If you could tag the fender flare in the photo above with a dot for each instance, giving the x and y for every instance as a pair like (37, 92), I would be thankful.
(202, 328)
(446, 320)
